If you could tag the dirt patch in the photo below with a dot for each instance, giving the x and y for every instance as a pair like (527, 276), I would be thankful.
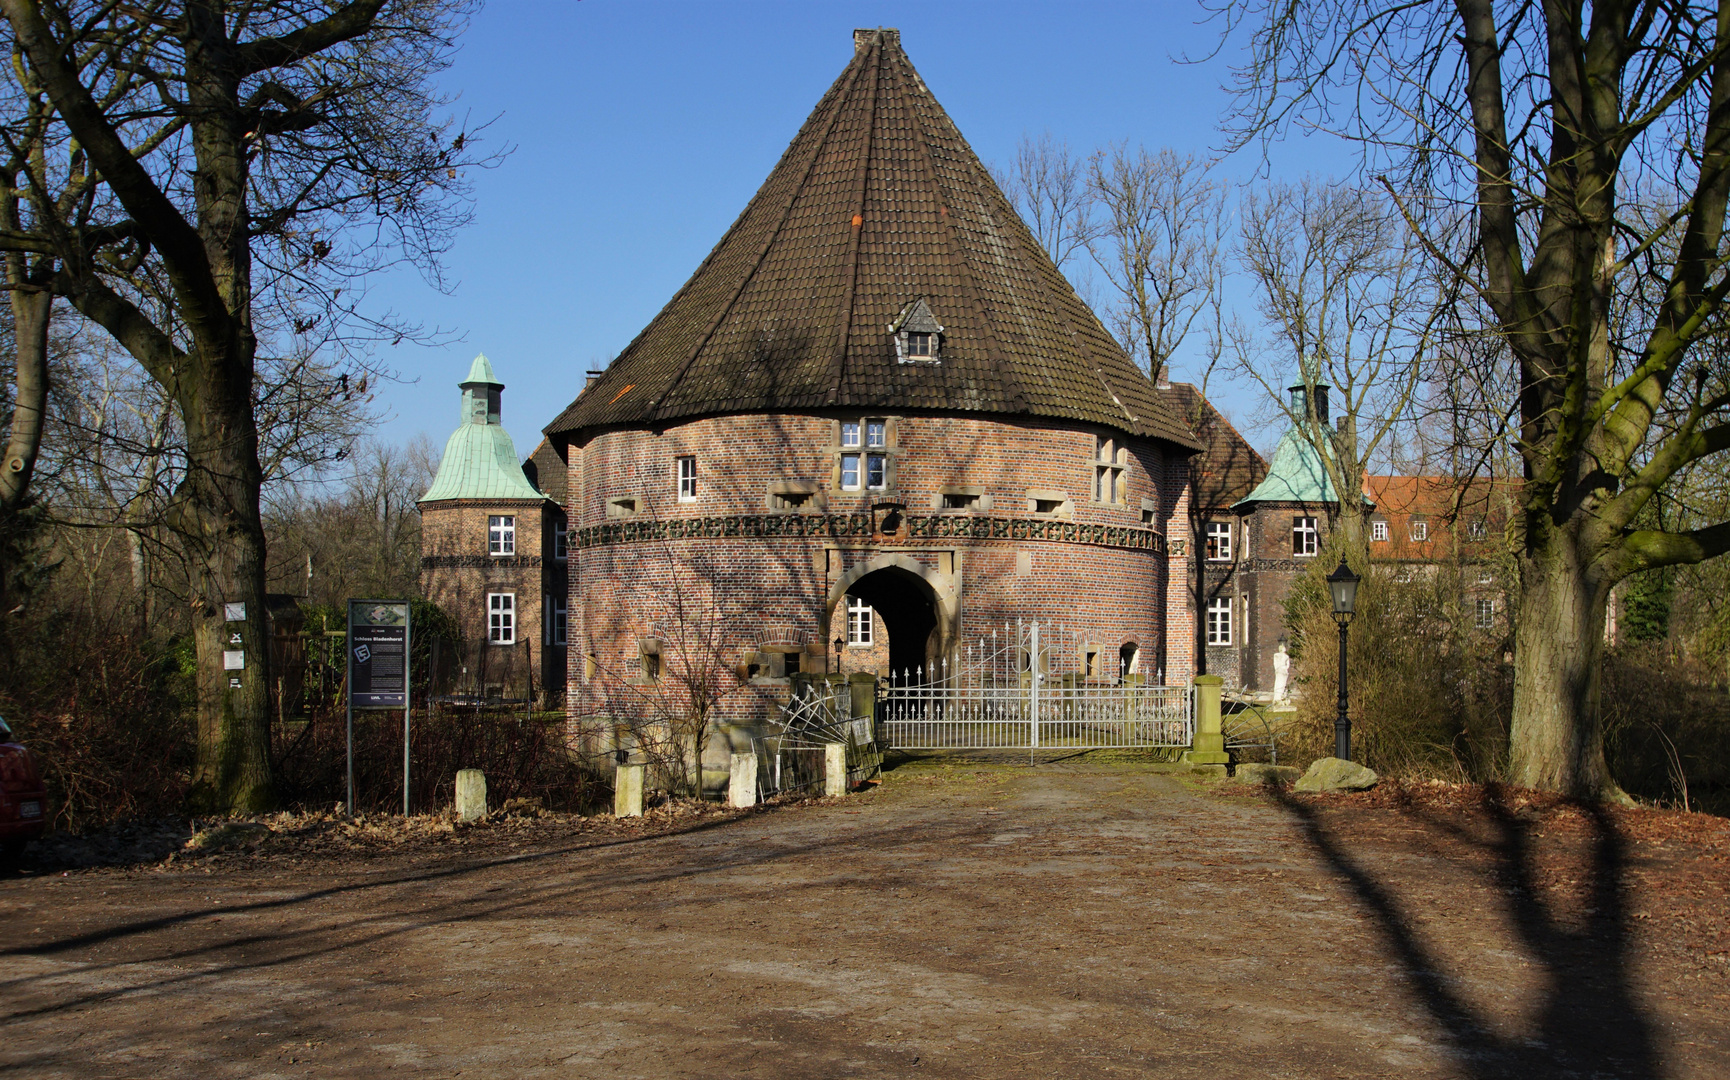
(1069, 920)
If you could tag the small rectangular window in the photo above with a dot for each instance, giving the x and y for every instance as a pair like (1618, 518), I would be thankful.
(1304, 536)
(850, 472)
(876, 433)
(876, 471)
(501, 534)
(561, 620)
(1419, 531)
(502, 618)
(789, 500)
(1219, 541)
(918, 344)
(624, 506)
(956, 501)
(1476, 529)
(858, 621)
(1378, 530)
(561, 541)
(1486, 614)
(1219, 621)
(649, 658)
(1047, 506)
(687, 479)
(849, 433)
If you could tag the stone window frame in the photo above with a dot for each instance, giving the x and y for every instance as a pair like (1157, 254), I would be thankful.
(1088, 654)
(502, 618)
(1110, 471)
(1306, 536)
(889, 452)
(943, 496)
(771, 662)
(1220, 612)
(1150, 513)
(685, 483)
(501, 535)
(617, 508)
(809, 492)
(650, 665)
(1222, 531)
(1065, 507)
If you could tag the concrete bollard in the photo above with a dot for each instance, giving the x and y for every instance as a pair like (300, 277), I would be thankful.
(742, 781)
(1208, 749)
(471, 794)
(834, 768)
(628, 791)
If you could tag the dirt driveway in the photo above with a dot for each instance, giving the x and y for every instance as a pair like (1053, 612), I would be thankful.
(968, 920)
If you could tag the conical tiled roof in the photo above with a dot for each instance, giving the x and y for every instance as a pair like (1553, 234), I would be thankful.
(878, 203)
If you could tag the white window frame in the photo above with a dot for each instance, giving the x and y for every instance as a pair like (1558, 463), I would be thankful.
(561, 541)
(501, 535)
(685, 475)
(1477, 529)
(502, 618)
(852, 463)
(876, 434)
(1378, 530)
(1309, 530)
(850, 432)
(1219, 616)
(1419, 531)
(1219, 551)
(1486, 614)
(859, 623)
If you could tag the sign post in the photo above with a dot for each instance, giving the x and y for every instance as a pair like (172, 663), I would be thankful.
(378, 673)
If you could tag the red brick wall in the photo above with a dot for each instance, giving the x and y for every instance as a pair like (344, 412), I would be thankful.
(736, 594)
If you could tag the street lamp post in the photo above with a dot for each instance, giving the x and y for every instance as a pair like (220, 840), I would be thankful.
(839, 642)
(1343, 588)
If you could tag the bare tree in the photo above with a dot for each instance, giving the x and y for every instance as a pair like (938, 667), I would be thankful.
(1590, 152)
(1047, 184)
(1347, 300)
(233, 146)
(1157, 230)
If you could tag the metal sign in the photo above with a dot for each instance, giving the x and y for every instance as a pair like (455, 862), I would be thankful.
(378, 672)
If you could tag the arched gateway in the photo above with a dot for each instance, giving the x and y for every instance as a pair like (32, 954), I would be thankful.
(876, 400)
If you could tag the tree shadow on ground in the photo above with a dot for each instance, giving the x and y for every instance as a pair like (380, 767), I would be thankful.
(1586, 1020)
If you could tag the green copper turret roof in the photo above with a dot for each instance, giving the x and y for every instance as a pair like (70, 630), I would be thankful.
(1296, 474)
(480, 460)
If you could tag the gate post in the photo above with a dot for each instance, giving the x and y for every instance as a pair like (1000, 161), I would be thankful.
(742, 781)
(1207, 743)
(1033, 686)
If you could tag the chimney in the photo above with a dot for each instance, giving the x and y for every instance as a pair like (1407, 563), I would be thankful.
(594, 374)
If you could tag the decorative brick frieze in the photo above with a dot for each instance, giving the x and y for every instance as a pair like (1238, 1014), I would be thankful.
(934, 526)
(480, 562)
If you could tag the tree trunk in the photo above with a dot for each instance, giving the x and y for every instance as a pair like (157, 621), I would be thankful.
(30, 312)
(1557, 739)
(219, 517)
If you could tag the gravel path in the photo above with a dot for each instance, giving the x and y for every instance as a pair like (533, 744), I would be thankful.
(963, 919)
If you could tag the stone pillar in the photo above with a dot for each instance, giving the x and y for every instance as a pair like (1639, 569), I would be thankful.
(742, 782)
(628, 791)
(1209, 745)
(864, 687)
(834, 768)
(471, 794)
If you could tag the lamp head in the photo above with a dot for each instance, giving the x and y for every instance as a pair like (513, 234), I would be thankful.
(1343, 588)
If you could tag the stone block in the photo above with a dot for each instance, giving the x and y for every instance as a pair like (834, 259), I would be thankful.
(835, 768)
(1336, 774)
(628, 791)
(1256, 773)
(742, 781)
(471, 794)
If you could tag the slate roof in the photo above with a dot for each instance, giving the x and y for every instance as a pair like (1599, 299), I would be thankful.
(1228, 467)
(480, 460)
(877, 202)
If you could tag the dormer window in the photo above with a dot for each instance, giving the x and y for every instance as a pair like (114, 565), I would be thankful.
(918, 335)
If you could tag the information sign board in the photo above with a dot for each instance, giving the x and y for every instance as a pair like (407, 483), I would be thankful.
(377, 654)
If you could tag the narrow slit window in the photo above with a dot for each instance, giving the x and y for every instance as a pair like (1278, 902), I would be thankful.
(561, 541)
(561, 620)
(687, 471)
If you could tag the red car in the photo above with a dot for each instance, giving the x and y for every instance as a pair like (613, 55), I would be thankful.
(23, 799)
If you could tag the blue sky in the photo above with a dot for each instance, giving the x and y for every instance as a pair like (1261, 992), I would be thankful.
(641, 129)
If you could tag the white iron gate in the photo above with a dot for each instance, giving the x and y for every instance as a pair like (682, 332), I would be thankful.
(1025, 688)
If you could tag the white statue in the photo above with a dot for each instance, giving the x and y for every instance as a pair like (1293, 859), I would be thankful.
(1281, 671)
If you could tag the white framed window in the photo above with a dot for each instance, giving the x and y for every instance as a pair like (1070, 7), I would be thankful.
(561, 541)
(1476, 529)
(850, 431)
(1219, 621)
(1419, 530)
(1486, 614)
(1304, 536)
(1108, 470)
(858, 621)
(687, 473)
(501, 534)
(502, 618)
(1378, 530)
(1219, 541)
(561, 620)
(876, 433)
(867, 467)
